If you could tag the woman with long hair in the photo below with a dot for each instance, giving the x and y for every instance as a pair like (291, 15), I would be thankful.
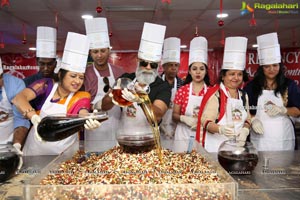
(188, 98)
(273, 99)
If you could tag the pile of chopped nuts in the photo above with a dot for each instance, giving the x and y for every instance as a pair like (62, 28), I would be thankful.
(91, 170)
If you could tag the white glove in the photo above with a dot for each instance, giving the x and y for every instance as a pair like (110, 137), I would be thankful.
(226, 130)
(188, 120)
(112, 99)
(118, 85)
(20, 154)
(242, 136)
(274, 110)
(129, 96)
(91, 124)
(257, 126)
(141, 89)
(35, 120)
(98, 105)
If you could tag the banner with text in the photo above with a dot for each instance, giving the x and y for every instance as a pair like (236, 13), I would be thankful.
(23, 65)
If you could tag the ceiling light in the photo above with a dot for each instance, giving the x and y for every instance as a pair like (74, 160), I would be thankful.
(183, 46)
(255, 45)
(32, 48)
(87, 17)
(223, 15)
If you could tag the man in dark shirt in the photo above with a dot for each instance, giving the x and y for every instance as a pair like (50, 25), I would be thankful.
(133, 119)
(170, 63)
(45, 53)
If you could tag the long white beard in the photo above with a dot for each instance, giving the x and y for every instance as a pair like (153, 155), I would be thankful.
(145, 76)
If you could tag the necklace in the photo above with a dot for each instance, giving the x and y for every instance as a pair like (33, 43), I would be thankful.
(58, 93)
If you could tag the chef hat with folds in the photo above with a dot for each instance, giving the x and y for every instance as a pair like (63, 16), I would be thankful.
(58, 63)
(198, 50)
(171, 50)
(152, 42)
(46, 42)
(235, 53)
(268, 49)
(97, 32)
(75, 53)
(1, 69)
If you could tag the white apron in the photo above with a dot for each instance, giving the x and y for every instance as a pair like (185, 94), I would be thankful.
(107, 130)
(33, 146)
(184, 132)
(167, 125)
(235, 115)
(134, 122)
(278, 130)
(6, 127)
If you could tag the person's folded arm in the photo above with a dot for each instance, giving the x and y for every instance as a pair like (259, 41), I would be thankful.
(210, 114)
(159, 109)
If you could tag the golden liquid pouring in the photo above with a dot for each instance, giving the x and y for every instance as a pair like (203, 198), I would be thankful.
(146, 106)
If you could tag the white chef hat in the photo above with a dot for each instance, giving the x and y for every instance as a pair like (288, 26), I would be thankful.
(268, 49)
(58, 63)
(97, 32)
(198, 50)
(75, 53)
(46, 42)
(171, 50)
(1, 69)
(152, 42)
(235, 53)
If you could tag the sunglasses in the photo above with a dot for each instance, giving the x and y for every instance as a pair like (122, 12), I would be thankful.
(153, 65)
(106, 86)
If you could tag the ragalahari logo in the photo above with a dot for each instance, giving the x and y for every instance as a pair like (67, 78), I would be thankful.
(246, 8)
(271, 8)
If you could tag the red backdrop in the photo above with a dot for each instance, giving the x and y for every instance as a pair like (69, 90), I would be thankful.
(23, 65)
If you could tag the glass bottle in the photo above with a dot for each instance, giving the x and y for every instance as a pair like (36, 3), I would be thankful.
(237, 157)
(9, 161)
(58, 127)
(137, 142)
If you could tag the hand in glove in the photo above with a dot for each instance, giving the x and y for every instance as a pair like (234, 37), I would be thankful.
(117, 86)
(91, 124)
(226, 130)
(274, 110)
(129, 96)
(242, 136)
(112, 99)
(257, 126)
(142, 89)
(20, 154)
(188, 120)
(35, 120)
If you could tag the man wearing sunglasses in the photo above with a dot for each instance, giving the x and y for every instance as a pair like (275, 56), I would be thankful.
(45, 53)
(147, 80)
(99, 76)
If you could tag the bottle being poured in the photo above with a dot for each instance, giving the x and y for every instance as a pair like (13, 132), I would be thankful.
(136, 92)
(57, 127)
